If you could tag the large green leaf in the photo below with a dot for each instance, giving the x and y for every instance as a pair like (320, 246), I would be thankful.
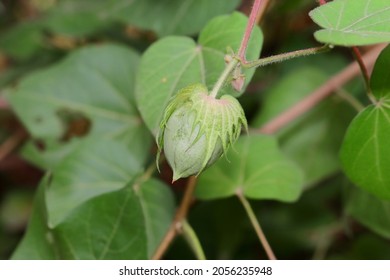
(365, 150)
(313, 140)
(370, 211)
(256, 167)
(350, 22)
(175, 62)
(92, 169)
(125, 224)
(92, 88)
(167, 17)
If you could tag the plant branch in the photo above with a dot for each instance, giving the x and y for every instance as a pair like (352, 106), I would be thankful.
(322, 2)
(11, 143)
(176, 224)
(224, 76)
(3, 103)
(350, 99)
(248, 30)
(256, 225)
(193, 240)
(366, 76)
(263, 8)
(320, 93)
(284, 56)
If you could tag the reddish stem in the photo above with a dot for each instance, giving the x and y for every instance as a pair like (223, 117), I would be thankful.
(322, 2)
(319, 94)
(248, 30)
(359, 59)
(364, 71)
(3, 104)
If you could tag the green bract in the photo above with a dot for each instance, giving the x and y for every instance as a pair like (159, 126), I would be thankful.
(197, 129)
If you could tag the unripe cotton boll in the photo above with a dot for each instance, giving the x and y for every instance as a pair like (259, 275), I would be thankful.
(197, 129)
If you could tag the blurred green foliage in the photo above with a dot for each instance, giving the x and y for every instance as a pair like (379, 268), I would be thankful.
(85, 54)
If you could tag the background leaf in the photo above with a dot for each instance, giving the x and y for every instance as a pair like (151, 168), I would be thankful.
(313, 140)
(349, 23)
(365, 147)
(23, 41)
(372, 212)
(255, 166)
(92, 169)
(119, 224)
(175, 62)
(168, 17)
(88, 95)
(380, 77)
(124, 224)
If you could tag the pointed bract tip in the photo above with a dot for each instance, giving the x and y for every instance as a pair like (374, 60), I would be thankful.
(175, 177)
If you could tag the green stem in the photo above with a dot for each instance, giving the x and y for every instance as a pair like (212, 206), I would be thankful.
(350, 99)
(148, 173)
(224, 76)
(284, 56)
(256, 225)
(192, 240)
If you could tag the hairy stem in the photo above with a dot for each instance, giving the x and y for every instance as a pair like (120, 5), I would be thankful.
(256, 225)
(248, 30)
(320, 93)
(224, 76)
(193, 240)
(284, 56)
(176, 225)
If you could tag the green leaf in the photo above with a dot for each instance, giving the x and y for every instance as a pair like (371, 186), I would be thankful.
(313, 140)
(372, 212)
(168, 17)
(158, 208)
(257, 168)
(37, 242)
(126, 224)
(23, 41)
(91, 169)
(77, 18)
(88, 95)
(365, 246)
(175, 62)
(349, 22)
(380, 77)
(364, 152)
